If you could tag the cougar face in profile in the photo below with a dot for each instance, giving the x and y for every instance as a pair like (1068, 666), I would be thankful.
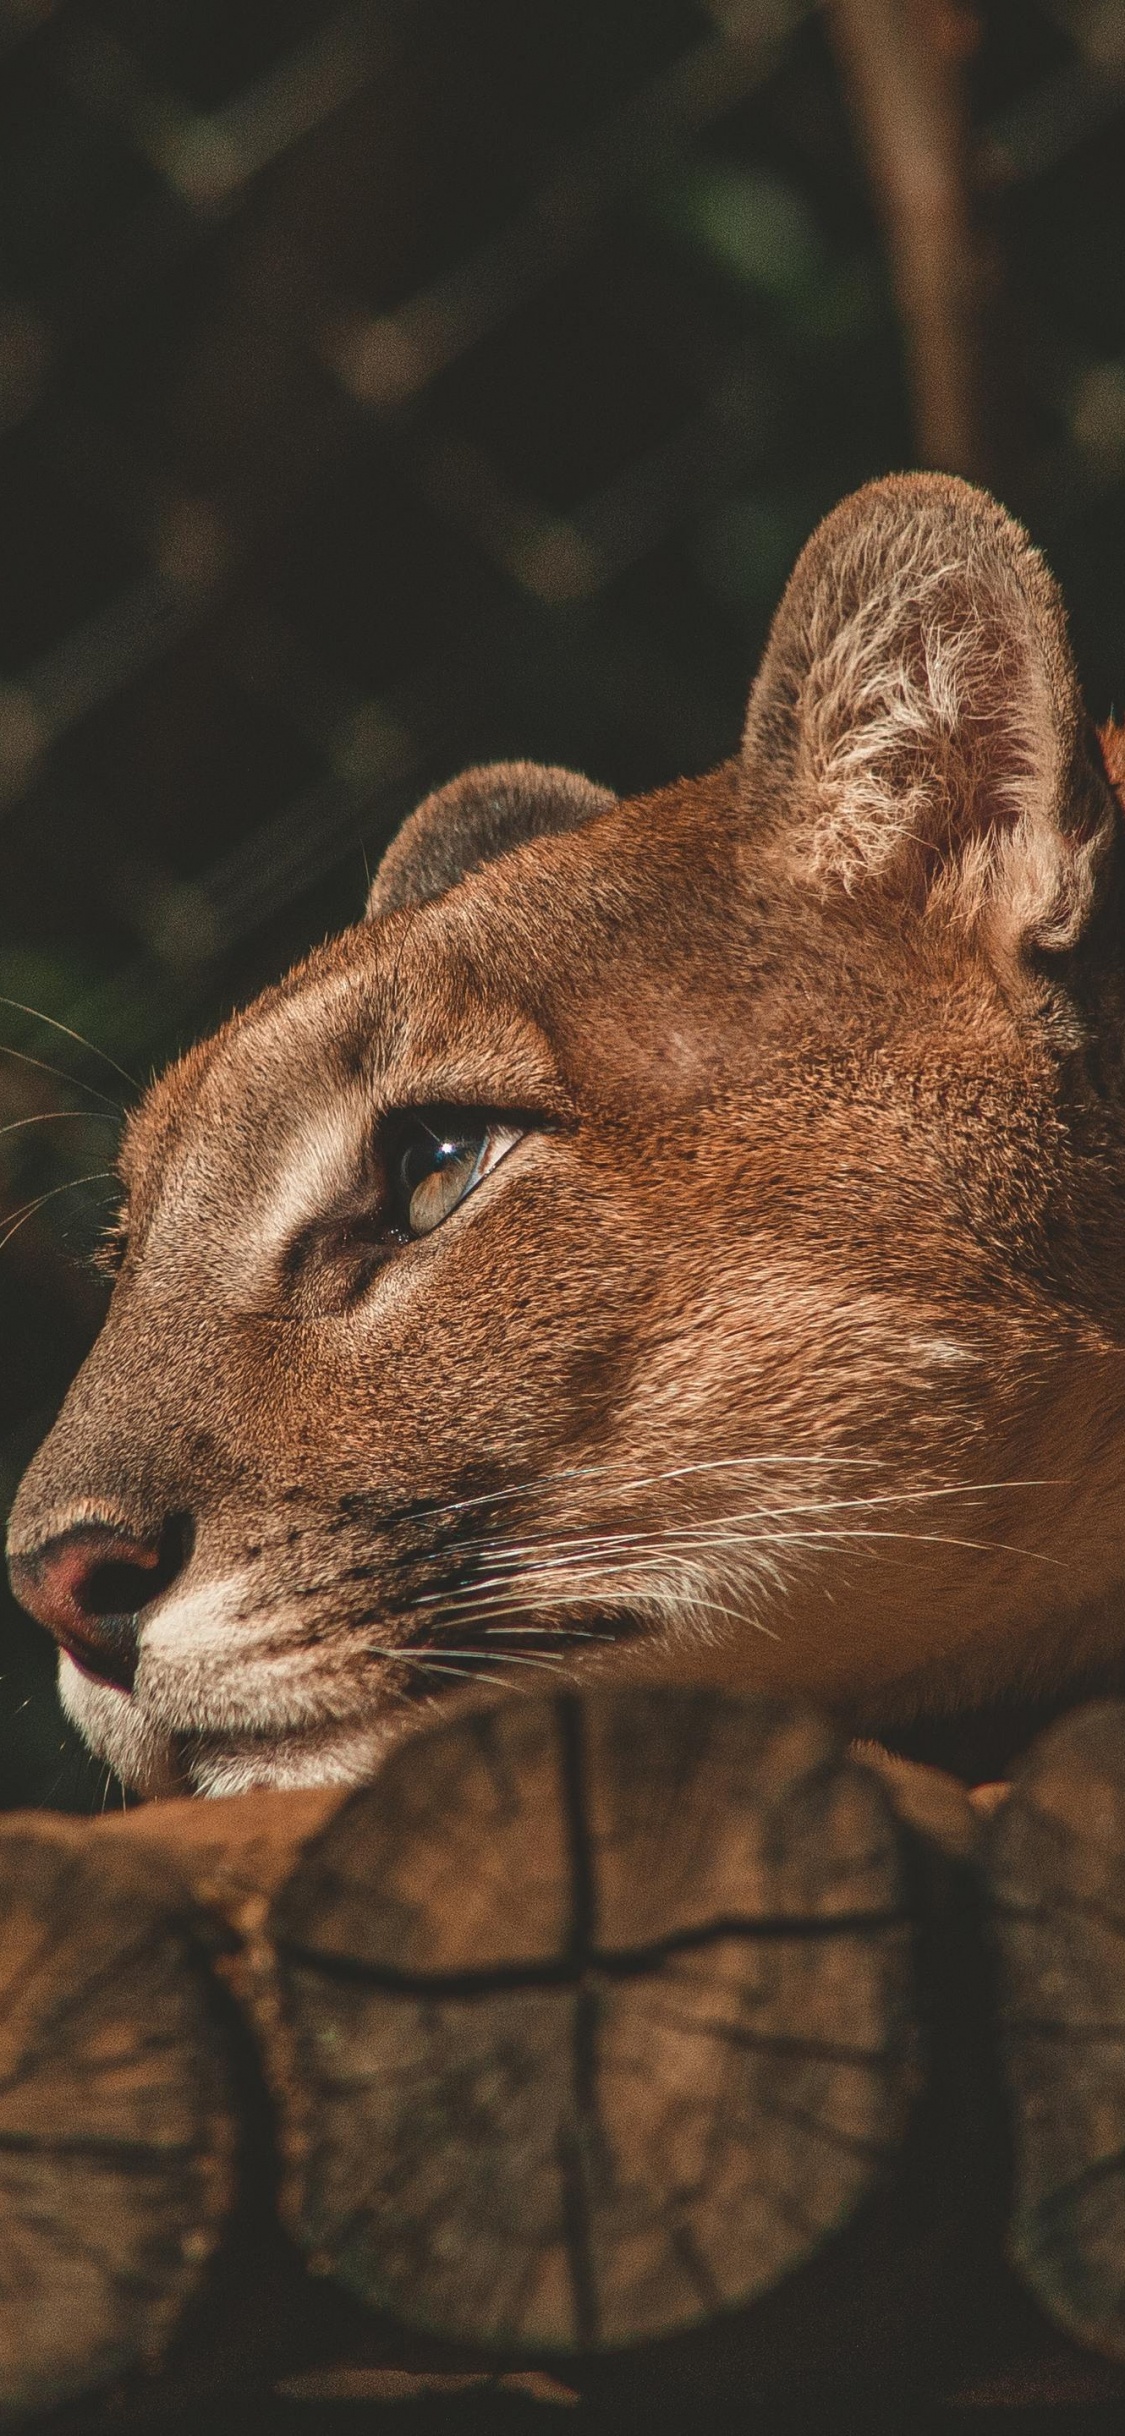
(673, 1238)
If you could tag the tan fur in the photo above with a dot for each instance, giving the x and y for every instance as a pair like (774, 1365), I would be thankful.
(934, 715)
(788, 1346)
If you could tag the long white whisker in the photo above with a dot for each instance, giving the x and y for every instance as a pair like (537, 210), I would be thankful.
(647, 1480)
(580, 1633)
(79, 1037)
(699, 1598)
(499, 1593)
(657, 1559)
(608, 1563)
(464, 1674)
(55, 1116)
(635, 1482)
(436, 1653)
(691, 1533)
(923, 1539)
(596, 1596)
(433, 1662)
(889, 1497)
(73, 1081)
(101, 1174)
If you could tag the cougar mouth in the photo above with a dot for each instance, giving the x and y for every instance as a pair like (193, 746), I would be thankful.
(112, 1660)
(349, 1749)
(331, 1754)
(205, 1716)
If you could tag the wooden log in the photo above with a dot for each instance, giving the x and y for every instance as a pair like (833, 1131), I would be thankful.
(684, 1802)
(262, 2325)
(1056, 1862)
(234, 1855)
(600, 2023)
(118, 2118)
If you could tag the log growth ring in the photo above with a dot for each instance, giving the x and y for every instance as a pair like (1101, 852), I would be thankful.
(1057, 1870)
(117, 2119)
(600, 2017)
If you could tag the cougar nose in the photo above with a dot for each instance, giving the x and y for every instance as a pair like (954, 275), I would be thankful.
(87, 1586)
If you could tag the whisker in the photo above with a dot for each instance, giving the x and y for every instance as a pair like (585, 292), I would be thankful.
(54, 1116)
(699, 1598)
(464, 1674)
(409, 1654)
(581, 1632)
(437, 1654)
(21, 1216)
(937, 1539)
(921, 1539)
(38, 1016)
(596, 1596)
(702, 1532)
(664, 1567)
(736, 1615)
(73, 1081)
(737, 1462)
(647, 1480)
(644, 1551)
(885, 1497)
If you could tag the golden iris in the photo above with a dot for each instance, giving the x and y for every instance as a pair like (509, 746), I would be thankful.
(439, 1166)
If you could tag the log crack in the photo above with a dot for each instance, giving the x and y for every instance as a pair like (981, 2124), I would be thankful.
(581, 2146)
(627, 1962)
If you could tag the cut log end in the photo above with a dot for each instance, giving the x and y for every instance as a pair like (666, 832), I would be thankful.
(116, 2116)
(599, 2015)
(1057, 1868)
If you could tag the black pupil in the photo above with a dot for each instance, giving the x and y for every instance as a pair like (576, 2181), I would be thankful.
(430, 1152)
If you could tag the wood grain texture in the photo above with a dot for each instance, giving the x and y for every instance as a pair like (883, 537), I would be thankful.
(234, 1853)
(600, 2017)
(1056, 1861)
(117, 2118)
(686, 1881)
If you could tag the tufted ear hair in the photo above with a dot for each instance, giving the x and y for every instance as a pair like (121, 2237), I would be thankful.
(916, 725)
(476, 818)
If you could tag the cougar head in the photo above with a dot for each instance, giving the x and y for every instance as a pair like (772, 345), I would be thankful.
(679, 1237)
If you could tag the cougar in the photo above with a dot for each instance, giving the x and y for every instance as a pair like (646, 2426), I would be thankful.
(671, 1238)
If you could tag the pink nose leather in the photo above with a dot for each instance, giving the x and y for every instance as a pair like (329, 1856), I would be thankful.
(86, 1586)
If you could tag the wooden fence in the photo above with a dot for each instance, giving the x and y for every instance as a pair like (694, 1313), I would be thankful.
(643, 2048)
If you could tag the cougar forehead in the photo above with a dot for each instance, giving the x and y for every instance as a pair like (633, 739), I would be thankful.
(771, 1326)
(259, 1136)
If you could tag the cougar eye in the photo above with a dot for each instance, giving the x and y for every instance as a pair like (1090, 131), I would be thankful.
(439, 1156)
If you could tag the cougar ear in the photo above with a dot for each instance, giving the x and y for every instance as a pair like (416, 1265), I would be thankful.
(917, 725)
(472, 821)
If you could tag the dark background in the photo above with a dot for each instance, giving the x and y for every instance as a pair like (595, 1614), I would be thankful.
(389, 386)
